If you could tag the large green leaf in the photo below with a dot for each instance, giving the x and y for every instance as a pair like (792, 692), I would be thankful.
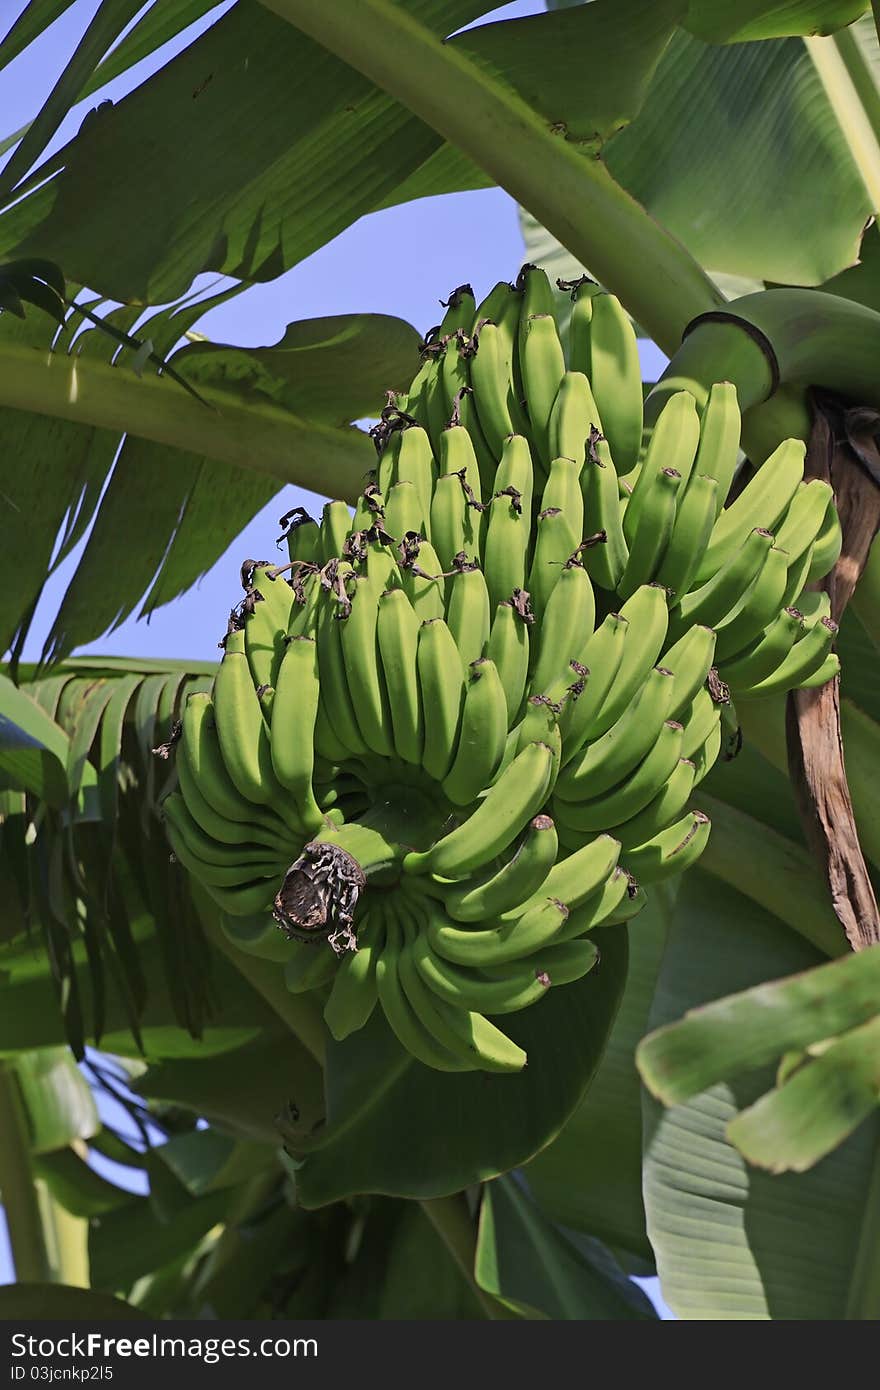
(245, 1090)
(33, 749)
(734, 21)
(396, 1127)
(767, 157)
(590, 1177)
(58, 1104)
(60, 1302)
(190, 472)
(129, 1242)
(526, 1262)
(732, 1241)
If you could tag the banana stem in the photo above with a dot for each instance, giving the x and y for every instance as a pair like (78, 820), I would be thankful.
(569, 191)
(452, 1221)
(17, 1187)
(806, 338)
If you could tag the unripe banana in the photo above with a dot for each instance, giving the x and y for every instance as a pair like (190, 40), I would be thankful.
(542, 363)
(366, 682)
(672, 851)
(462, 1032)
(635, 791)
(401, 1016)
(694, 518)
(573, 419)
(673, 444)
(721, 595)
(579, 324)
(562, 490)
(404, 511)
(661, 811)
(537, 928)
(467, 612)
(242, 732)
(566, 627)
(690, 660)
(575, 879)
(760, 505)
(509, 522)
(507, 988)
(268, 606)
(605, 561)
(616, 378)
(617, 752)
(555, 544)
(423, 583)
(335, 698)
(303, 537)
(601, 662)
(827, 547)
(806, 659)
(508, 648)
(335, 526)
(647, 620)
(490, 374)
(508, 806)
(653, 532)
(498, 891)
(441, 681)
(482, 737)
(718, 450)
(293, 733)
(756, 610)
(354, 994)
(455, 527)
(397, 630)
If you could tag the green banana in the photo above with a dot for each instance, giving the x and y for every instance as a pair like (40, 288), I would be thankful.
(453, 531)
(507, 988)
(582, 294)
(694, 518)
(647, 617)
(510, 941)
(201, 845)
(661, 811)
(497, 891)
(397, 630)
(605, 561)
(467, 613)
(354, 994)
(718, 449)
(671, 851)
(601, 661)
(690, 660)
(673, 444)
(482, 736)
(366, 683)
(758, 607)
(574, 419)
(508, 648)
(562, 490)
(511, 802)
(766, 653)
(460, 1031)
(827, 546)
(423, 583)
(616, 378)
(721, 595)
(805, 659)
(699, 720)
(402, 1017)
(293, 731)
(441, 682)
(509, 522)
(269, 602)
(635, 791)
(242, 732)
(613, 755)
(542, 363)
(653, 532)
(335, 699)
(555, 543)
(566, 626)
(490, 375)
(404, 511)
(575, 879)
(335, 527)
(760, 505)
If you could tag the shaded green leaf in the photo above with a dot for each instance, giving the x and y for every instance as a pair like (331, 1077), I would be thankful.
(732, 1241)
(77, 1187)
(734, 21)
(57, 1302)
(129, 1242)
(396, 1127)
(205, 1160)
(792, 1127)
(33, 749)
(525, 1261)
(58, 1103)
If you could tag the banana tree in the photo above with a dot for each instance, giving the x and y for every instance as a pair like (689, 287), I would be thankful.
(380, 1146)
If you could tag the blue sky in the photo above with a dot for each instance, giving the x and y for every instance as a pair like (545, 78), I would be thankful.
(400, 261)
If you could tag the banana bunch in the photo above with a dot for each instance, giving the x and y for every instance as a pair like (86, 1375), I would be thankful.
(462, 727)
